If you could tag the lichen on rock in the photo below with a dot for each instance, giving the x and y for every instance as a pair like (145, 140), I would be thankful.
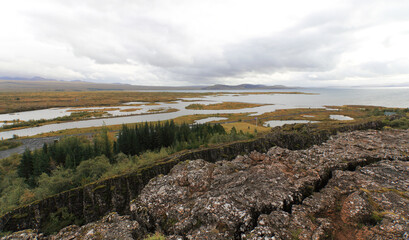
(282, 194)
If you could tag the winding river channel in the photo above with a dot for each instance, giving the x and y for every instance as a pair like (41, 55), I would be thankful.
(391, 97)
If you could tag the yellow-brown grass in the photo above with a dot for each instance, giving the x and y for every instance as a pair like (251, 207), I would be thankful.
(24, 101)
(245, 127)
(223, 106)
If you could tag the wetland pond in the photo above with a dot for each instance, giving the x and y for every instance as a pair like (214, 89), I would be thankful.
(140, 112)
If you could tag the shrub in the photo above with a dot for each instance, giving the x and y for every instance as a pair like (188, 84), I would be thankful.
(91, 170)
(60, 180)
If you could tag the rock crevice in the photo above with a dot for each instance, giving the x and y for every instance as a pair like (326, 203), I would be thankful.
(246, 197)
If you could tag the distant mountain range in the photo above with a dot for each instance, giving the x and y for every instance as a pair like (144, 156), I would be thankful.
(40, 84)
(243, 87)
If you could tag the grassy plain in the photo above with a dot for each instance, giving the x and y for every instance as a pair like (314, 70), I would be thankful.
(24, 101)
(223, 105)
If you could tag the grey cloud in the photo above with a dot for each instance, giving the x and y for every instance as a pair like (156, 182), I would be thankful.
(373, 69)
(300, 48)
(127, 34)
(387, 67)
(114, 37)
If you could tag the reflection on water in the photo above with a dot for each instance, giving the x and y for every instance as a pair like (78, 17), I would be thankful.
(326, 97)
(340, 117)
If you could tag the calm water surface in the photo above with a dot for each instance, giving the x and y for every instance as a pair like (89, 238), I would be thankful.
(276, 123)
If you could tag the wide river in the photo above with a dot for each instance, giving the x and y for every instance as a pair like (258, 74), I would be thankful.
(387, 97)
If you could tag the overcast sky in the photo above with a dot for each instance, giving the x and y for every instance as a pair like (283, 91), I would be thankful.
(189, 42)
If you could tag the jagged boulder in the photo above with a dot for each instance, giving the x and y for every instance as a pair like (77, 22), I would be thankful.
(199, 198)
(111, 226)
(357, 208)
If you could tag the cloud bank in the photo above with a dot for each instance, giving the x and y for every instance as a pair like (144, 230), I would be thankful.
(189, 42)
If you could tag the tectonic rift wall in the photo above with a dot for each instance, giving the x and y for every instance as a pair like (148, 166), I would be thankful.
(92, 201)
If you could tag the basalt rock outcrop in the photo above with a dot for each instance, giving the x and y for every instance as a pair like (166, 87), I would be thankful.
(111, 226)
(285, 194)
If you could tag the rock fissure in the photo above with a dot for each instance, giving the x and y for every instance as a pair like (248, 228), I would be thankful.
(278, 183)
(319, 184)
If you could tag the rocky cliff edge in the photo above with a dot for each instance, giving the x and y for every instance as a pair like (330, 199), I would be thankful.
(354, 186)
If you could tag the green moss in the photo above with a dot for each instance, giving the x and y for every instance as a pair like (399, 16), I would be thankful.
(295, 234)
(376, 217)
(156, 236)
(98, 187)
(403, 194)
(312, 218)
(20, 215)
(169, 223)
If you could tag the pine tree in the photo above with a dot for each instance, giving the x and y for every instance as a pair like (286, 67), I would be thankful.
(41, 163)
(25, 168)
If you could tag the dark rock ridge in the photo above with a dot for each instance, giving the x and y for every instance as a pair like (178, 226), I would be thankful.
(259, 196)
(93, 201)
(354, 186)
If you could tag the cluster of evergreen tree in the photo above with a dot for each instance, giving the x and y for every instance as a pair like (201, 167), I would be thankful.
(71, 151)
(67, 153)
(153, 136)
